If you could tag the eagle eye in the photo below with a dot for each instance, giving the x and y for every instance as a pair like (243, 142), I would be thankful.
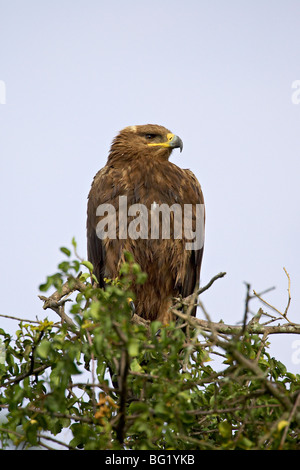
(150, 136)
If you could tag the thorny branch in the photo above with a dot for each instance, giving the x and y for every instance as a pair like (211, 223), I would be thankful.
(284, 315)
(216, 333)
(57, 301)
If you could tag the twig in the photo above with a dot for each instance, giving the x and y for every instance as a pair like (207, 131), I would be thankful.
(193, 297)
(213, 279)
(248, 297)
(122, 382)
(123, 369)
(19, 319)
(223, 328)
(56, 414)
(56, 441)
(103, 386)
(289, 293)
(92, 371)
(255, 369)
(20, 377)
(271, 306)
(284, 315)
(140, 321)
(205, 412)
(294, 409)
(58, 307)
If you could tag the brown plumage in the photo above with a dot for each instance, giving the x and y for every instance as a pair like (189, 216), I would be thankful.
(138, 167)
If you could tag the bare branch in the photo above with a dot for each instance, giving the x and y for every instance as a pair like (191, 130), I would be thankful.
(254, 327)
(56, 301)
(284, 315)
(210, 283)
(293, 411)
(19, 319)
(271, 306)
(289, 293)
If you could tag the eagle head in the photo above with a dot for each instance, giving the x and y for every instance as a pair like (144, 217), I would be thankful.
(149, 140)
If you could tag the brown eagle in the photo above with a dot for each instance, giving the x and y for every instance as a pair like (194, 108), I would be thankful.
(137, 183)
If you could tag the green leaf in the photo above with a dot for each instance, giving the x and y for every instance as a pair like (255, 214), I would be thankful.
(31, 429)
(44, 287)
(74, 243)
(64, 266)
(225, 429)
(133, 348)
(282, 424)
(135, 366)
(88, 265)
(2, 353)
(84, 276)
(245, 443)
(43, 349)
(65, 250)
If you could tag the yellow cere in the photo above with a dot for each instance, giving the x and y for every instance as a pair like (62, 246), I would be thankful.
(164, 144)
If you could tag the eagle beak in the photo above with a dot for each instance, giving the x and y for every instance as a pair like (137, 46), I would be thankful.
(174, 141)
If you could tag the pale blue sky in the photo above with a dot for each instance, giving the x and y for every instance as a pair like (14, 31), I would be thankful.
(219, 74)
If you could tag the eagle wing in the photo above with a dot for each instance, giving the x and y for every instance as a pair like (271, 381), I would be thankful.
(95, 246)
(189, 276)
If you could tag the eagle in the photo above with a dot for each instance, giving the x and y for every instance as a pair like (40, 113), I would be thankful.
(137, 183)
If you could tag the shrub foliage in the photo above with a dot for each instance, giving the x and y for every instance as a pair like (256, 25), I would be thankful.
(101, 378)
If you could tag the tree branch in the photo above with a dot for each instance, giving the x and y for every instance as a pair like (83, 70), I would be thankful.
(192, 298)
(56, 301)
(251, 327)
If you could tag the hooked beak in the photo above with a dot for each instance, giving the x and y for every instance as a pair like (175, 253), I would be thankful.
(173, 141)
